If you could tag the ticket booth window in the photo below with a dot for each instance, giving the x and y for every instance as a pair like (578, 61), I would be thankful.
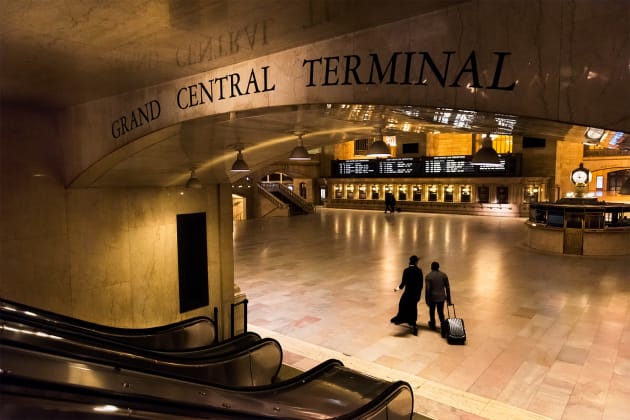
(338, 191)
(402, 193)
(417, 193)
(362, 192)
(350, 192)
(531, 194)
(502, 195)
(448, 194)
(375, 193)
(433, 193)
(483, 193)
(465, 194)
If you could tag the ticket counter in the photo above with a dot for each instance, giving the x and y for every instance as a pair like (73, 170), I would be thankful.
(580, 227)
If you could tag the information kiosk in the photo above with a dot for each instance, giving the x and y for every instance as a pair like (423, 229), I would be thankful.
(580, 225)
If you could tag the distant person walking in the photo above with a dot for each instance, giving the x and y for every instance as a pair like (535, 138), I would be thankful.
(437, 290)
(390, 202)
(411, 285)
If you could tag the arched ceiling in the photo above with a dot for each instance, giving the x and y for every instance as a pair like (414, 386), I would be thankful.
(62, 53)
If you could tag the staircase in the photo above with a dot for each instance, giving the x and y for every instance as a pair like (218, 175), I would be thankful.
(297, 205)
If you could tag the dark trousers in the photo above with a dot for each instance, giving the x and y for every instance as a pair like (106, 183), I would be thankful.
(440, 311)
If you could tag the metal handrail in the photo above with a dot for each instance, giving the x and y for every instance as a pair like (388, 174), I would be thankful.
(270, 196)
(284, 190)
(296, 198)
(232, 310)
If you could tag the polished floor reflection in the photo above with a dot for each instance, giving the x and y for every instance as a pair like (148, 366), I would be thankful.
(548, 335)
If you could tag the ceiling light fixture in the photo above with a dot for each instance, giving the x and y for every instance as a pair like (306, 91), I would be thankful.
(193, 181)
(379, 148)
(239, 164)
(486, 156)
(299, 152)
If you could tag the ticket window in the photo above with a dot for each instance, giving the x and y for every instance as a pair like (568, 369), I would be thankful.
(502, 195)
(375, 192)
(433, 193)
(338, 191)
(350, 192)
(483, 193)
(417, 193)
(389, 189)
(362, 192)
(531, 194)
(402, 193)
(448, 194)
(465, 194)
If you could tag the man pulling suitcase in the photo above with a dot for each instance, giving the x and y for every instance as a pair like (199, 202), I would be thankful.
(437, 290)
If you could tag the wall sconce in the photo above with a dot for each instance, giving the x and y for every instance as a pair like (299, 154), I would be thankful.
(486, 156)
(239, 164)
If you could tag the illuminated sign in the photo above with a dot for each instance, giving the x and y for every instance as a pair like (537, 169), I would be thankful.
(439, 166)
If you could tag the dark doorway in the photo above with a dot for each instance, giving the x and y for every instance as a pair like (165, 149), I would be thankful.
(192, 259)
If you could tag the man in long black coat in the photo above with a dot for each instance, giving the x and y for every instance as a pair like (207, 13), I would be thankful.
(411, 285)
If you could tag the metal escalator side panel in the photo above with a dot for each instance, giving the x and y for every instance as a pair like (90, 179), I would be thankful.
(233, 370)
(190, 333)
(265, 363)
(328, 391)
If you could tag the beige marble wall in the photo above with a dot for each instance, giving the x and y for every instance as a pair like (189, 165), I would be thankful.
(569, 157)
(105, 255)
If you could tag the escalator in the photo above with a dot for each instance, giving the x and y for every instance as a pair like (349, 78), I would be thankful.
(60, 373)
(196, 332)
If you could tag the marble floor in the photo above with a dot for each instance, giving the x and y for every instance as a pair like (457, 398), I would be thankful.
(548, 335)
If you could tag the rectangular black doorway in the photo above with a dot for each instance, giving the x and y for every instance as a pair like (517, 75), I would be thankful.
(192, 261)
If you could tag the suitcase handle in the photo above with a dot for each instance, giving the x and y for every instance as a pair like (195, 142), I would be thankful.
(448, 310)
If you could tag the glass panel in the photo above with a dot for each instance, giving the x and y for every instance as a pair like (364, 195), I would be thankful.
(502, 195)
(484, 194)
(448, 194)
(594, 221)
(556, 218)
(575, 220)
(417, 193)
(465, 194)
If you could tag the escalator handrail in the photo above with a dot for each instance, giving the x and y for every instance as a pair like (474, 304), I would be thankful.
(118, 332)
(101, 350)
(79, 335)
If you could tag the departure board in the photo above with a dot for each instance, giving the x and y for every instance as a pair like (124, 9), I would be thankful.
(428, 167)
(448, 165)
(399, 167)
(360, 167)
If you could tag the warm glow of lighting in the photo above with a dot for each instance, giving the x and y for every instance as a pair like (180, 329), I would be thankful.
(108, 408)
(28, 332)
(390, 140)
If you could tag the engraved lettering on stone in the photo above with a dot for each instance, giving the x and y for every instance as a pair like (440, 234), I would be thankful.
(419, 68)
(150, 111)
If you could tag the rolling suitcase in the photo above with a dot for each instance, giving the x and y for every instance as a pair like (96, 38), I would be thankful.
(453, 328)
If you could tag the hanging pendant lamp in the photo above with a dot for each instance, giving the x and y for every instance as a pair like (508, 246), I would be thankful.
(379, 148)
(486, 156)
(193, 182)
(239, 164)
(299, 152)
